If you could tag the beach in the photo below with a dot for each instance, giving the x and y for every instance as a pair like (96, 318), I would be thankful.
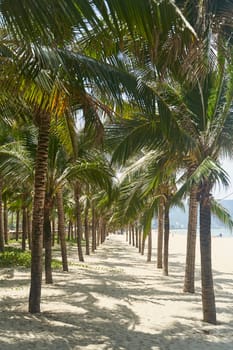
(115, 300)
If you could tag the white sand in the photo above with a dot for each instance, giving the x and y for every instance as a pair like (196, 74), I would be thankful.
(115, 300)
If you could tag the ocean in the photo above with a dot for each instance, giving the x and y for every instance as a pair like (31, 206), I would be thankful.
(215, 232)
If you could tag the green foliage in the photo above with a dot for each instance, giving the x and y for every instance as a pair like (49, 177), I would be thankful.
(14, 257)
(56, 264)
(207, 169)
(222, 214)
(73, 242)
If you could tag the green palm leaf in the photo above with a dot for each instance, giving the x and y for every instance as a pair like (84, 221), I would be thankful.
(222, 214)
(208, 169)
(16, 163)
(95, 172)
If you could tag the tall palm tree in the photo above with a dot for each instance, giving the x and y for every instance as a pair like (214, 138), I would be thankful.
(213, 120)
(211, 20)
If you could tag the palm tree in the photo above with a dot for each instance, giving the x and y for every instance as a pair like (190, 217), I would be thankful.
(213, 120)
(206, 18)
(38, 209)
(34, 29)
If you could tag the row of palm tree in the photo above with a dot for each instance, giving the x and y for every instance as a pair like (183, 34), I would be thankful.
(201, 171)
(159, 74)
(205, 118)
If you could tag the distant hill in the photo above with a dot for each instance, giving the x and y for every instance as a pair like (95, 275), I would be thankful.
(179, 217)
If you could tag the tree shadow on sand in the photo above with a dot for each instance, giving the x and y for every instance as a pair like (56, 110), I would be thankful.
(92, 308)
(98, 330)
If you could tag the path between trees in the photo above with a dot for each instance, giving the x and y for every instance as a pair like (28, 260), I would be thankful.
(115, 300)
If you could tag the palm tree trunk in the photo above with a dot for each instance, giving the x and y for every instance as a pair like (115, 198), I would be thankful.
(101, 229)
(69, 230)
(79, 221)
(53, 231)
(58, 238)
(189, 278)
(74, 232)
(136, 234)
(48, 241)
(160, 234)
(86, 231)
(130, 234)
(24, 228)
(133, 236)
(93, 229)
(61, 229)
(41, 166)
(12, 220)
(139, 240)
(143, 244)
(29, 229)
(1, 221)
(166, 239)
(149, 247)
(98, 233)
(17, 225)
(5, 220)
(208, 298)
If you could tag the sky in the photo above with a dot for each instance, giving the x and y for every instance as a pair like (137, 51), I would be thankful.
(221, 193)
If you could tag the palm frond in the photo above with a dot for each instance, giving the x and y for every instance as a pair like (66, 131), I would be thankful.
(148, 216)
(149, 29)
(132, 136)
(208, 169)
(222, 214)
(96, 173)
(16, 166)
(48, 21)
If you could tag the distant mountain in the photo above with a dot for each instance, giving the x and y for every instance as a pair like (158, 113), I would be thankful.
(179, 217)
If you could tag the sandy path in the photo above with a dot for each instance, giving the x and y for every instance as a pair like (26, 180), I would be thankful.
(115, 300)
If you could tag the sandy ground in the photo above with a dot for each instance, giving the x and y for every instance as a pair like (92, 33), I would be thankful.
(116, 300)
